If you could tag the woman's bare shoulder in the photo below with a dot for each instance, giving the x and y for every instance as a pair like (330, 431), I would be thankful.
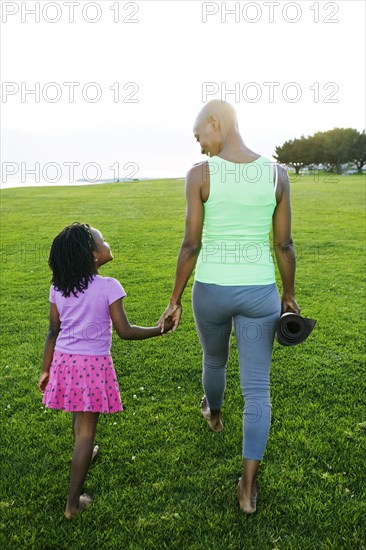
(283, 183)
(198, 173)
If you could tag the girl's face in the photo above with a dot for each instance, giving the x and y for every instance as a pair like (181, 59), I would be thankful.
(103, 253)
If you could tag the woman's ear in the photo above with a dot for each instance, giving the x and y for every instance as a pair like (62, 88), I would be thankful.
(214, 121)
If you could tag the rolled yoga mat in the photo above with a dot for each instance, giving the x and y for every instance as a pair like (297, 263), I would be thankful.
(293, 329)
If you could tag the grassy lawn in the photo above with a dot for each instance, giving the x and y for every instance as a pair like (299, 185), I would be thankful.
(162, 479)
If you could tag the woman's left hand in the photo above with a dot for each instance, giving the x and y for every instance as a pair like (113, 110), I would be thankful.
(175, 312)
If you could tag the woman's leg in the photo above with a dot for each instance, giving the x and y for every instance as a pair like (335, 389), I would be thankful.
(255, 333)
(214, 327)
(84, 426)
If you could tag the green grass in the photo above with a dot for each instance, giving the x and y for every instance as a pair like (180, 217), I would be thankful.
(162, 479)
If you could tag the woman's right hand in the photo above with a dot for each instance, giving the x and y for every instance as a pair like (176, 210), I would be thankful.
(174, 312)
(289, 304)
(168, 324)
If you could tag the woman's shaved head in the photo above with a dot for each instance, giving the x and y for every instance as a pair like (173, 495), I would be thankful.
(216, 120)
(222, 111)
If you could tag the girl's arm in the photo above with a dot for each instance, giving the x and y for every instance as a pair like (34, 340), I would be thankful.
(52, 333)
(132, 332)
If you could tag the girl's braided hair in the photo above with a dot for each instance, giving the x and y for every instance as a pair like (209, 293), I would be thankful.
(71, 259)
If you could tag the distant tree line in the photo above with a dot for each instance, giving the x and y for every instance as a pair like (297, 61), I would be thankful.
(331, 149)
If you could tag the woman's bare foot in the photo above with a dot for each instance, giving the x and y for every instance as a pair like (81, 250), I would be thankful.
(213, 417)
(84, 502)
(247, 498)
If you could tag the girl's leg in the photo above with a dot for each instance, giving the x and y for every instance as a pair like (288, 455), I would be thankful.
(84, 426)
(214, 328)
(255, 334)
(95, 449)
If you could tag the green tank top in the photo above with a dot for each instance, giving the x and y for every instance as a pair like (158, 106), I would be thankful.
(237, 220)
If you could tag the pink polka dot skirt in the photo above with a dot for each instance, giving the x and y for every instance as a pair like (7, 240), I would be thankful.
(82, 383)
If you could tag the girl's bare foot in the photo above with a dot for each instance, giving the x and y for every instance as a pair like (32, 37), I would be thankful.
(213, 417)
(84, 502)
(247, 498)
(95, 452)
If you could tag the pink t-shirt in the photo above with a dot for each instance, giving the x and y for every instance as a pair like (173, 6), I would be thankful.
(86, 325)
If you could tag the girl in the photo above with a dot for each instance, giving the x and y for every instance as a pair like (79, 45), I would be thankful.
(78, 374)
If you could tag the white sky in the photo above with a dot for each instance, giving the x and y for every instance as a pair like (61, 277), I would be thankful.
(170, 53)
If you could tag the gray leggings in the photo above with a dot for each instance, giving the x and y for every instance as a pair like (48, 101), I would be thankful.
(255, 311)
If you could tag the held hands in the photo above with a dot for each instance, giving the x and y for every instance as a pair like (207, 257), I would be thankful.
(171, 314)
(43, 381)
(167, 325)
(289, 304)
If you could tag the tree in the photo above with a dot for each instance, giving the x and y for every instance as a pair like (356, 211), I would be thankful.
(316, 148)
(331, 148)
(359, 152)
(339, 144)
(293, 153)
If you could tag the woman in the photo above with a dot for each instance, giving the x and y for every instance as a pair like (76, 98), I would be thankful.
(231, 201)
